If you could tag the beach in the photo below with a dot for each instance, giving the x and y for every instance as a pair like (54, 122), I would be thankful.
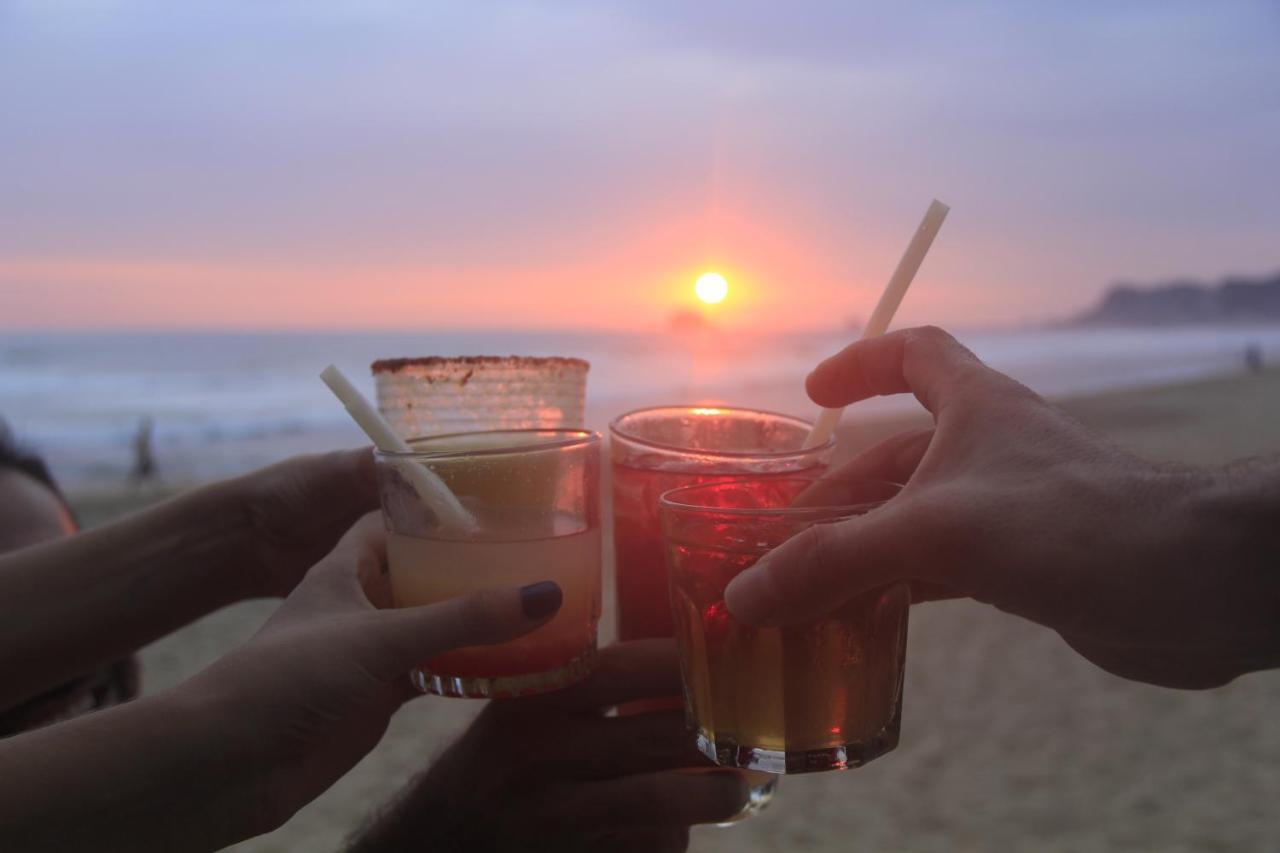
(1009, 740)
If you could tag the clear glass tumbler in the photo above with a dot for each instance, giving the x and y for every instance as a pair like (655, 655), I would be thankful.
(441, 396)
(657, 449)
(535, 496)
(825, 695)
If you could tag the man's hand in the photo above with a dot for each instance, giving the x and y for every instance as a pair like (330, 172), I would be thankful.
(552, 772)
(1157, 574)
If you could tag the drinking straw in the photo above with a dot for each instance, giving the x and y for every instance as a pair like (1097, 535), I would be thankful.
(890, 299)
(426, 483)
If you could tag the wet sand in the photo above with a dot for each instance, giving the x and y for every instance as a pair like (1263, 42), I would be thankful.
(1009, 740)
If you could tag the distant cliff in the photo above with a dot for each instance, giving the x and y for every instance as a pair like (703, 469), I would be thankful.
(1233, 300)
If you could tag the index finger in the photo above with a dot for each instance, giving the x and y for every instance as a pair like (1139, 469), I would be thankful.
(924, 361)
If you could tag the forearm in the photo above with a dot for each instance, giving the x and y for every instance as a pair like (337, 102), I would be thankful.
(80, 602)
(156, 774)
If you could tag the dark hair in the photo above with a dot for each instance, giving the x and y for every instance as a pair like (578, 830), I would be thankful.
(15, 457)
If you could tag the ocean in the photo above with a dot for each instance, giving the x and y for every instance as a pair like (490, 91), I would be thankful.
(226, 402)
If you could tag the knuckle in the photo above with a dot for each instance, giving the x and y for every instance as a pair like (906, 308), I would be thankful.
(819, 545)
(478, 615)
(267, 504)
(930, 334)
(473, 611)
(816, 557)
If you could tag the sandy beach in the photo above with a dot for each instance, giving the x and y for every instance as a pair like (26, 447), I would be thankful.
(1009, 741)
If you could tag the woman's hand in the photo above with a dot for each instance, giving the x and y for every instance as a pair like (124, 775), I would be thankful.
(312, 692)
(1156, 574)
(92, 598)
(552, 772)
(236, 750)
(285, 517)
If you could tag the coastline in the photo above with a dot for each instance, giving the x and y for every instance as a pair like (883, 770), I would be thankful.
(1009, 740)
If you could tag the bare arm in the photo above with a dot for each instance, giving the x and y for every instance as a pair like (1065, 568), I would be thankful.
(1159, 574)
(236, 750)
(71, 605)
(154, 774)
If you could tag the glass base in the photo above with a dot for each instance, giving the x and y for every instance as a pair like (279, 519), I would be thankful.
(509, 686)
(726, 753)
(763, 787)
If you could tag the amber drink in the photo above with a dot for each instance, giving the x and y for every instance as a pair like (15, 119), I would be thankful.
(657, 449)
(824, 695)
(533, 499)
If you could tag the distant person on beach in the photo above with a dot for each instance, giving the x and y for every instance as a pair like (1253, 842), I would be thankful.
(32, 511)
(1156, 573)
(238, 748)
(144, 460)
(1253, 358)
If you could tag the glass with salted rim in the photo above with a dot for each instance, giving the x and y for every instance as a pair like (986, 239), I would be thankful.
(825, 695)
(437, 395)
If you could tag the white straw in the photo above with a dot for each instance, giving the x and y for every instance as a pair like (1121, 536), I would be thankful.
(912, 258)
(425, 482)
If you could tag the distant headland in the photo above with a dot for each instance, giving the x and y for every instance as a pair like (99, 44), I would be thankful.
(1235, 299)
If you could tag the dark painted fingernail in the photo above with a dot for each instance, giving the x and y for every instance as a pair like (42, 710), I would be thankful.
(540, 599)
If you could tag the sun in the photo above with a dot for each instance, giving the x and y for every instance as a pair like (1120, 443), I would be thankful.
(711, 288)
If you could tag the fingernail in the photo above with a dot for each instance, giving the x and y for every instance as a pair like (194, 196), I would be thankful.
(540, 599)
(750, 596)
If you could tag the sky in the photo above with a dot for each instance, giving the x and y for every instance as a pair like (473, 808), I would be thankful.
(578, 164)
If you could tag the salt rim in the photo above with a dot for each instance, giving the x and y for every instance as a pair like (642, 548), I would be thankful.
(395, 365)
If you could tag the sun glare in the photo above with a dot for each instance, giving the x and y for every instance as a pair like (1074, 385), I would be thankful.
(711, 288)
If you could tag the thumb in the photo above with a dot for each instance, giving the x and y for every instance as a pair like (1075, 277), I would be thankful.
(403, 638)
(823, 566)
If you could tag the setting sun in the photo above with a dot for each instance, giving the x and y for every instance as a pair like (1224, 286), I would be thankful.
(711, 288)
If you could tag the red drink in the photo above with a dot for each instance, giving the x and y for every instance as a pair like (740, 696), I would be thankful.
(655, 450)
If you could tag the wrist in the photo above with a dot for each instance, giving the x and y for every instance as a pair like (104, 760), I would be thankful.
(1231, 519)
(236, 755)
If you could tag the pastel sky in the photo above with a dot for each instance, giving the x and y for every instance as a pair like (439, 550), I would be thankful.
(382, 164)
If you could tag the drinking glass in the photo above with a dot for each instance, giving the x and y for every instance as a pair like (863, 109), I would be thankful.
(534, 495)
(657, 449)
(824, 695)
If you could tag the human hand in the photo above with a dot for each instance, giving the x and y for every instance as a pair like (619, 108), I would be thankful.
(1153, 573)
(312, 691)
(552, 772)
(285, 517)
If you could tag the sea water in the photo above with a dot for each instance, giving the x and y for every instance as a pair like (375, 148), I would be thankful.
(226, 402)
